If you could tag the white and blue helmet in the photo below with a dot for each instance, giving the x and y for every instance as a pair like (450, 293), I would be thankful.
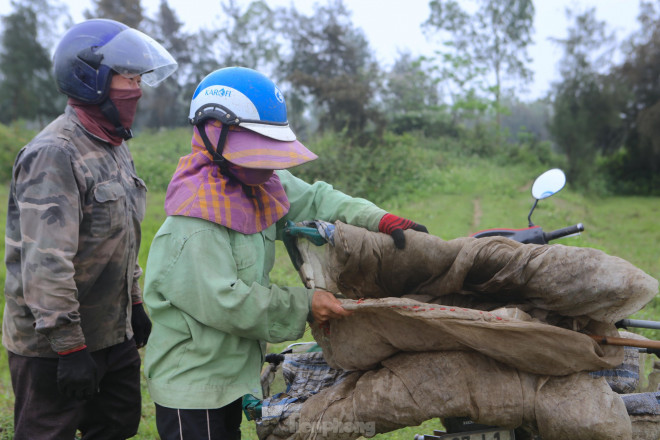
(243, 97)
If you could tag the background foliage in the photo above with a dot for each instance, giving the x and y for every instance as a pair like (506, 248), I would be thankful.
(443, 140)
(602, 115)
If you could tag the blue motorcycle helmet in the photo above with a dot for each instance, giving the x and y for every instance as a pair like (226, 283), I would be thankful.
(243, 97)
(90, 52)
(255, 130)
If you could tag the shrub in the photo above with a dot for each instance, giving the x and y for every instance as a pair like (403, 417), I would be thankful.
(375, 172)
(13, 137)
(156, 154)
(621, 180)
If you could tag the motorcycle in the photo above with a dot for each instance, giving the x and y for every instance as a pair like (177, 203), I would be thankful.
(547, 184)
(544, 186)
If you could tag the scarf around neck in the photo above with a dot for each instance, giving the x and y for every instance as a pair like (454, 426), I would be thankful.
(91, 117)
(198, 189)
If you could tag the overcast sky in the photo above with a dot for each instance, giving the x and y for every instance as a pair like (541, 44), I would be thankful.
(395, 25)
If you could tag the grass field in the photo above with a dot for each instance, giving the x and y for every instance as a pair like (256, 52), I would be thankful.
(456, 202)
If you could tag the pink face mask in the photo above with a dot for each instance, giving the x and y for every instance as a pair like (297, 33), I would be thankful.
(250, 176)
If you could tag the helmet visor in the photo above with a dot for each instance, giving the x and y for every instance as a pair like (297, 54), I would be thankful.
(131, 53)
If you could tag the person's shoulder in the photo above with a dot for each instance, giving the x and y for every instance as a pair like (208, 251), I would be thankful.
(287, 178)
(47, 141)
(187, 227)
(283, 174)
(65, 135)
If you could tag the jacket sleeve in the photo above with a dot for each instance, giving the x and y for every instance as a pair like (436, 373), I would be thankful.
(136, 292)
(48, 198)
(320, 201)
(199, 277)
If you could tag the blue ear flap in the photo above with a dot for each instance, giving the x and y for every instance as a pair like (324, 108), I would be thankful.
(92, 85)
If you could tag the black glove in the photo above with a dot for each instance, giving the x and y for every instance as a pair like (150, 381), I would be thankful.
(77, 374)
(141, 325)
(394, 226)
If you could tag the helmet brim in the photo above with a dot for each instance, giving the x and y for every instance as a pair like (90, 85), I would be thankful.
(253, 150)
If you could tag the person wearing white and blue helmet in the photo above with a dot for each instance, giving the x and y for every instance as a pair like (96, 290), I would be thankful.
(74, 318)
(207, 284)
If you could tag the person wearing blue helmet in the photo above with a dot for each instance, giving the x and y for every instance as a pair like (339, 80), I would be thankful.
(207, 284)
(74, 319)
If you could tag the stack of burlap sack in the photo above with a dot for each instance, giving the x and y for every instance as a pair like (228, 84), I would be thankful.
(640, 394)
(489, 329)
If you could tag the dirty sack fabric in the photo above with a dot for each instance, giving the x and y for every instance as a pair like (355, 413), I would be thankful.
(585, 285)
(569, 281)
(497, 366)
(644, 410)
(642, 403)
(379, 328)
(410, 388)
(645, 427)
(625, 378)
(303, 374)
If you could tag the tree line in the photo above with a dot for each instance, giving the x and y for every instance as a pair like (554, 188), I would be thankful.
(601, 115)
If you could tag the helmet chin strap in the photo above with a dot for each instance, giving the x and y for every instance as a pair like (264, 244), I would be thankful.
(110, 111)
(216, 153)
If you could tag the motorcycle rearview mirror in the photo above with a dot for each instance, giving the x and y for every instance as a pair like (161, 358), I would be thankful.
(547, 184)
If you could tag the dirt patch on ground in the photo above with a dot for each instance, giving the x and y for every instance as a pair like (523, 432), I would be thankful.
(476, 215)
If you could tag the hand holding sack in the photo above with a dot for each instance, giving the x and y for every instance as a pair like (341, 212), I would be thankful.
(394, 226)
(77, 375)
(326, 306)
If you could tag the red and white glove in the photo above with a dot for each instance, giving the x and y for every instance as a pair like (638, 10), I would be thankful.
(394, 226)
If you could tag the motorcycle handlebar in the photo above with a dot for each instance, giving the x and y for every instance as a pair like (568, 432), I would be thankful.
(639, 323)
(563, 232)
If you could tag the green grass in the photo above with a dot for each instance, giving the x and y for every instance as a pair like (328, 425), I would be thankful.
(6, 393)
(454, 201)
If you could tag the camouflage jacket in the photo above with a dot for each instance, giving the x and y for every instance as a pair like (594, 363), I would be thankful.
(71, 243)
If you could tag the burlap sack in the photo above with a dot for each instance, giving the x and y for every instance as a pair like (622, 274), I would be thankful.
(410, 388)
(572, 288)
(569, 281)
(302, 375)
(626, 378)
(380, 328)
(645, 427)
(644, 412)
(431, 359)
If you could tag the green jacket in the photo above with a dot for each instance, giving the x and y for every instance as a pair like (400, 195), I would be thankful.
(208, 293)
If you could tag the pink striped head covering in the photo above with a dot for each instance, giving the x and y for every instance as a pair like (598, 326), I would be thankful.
(198, 188)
